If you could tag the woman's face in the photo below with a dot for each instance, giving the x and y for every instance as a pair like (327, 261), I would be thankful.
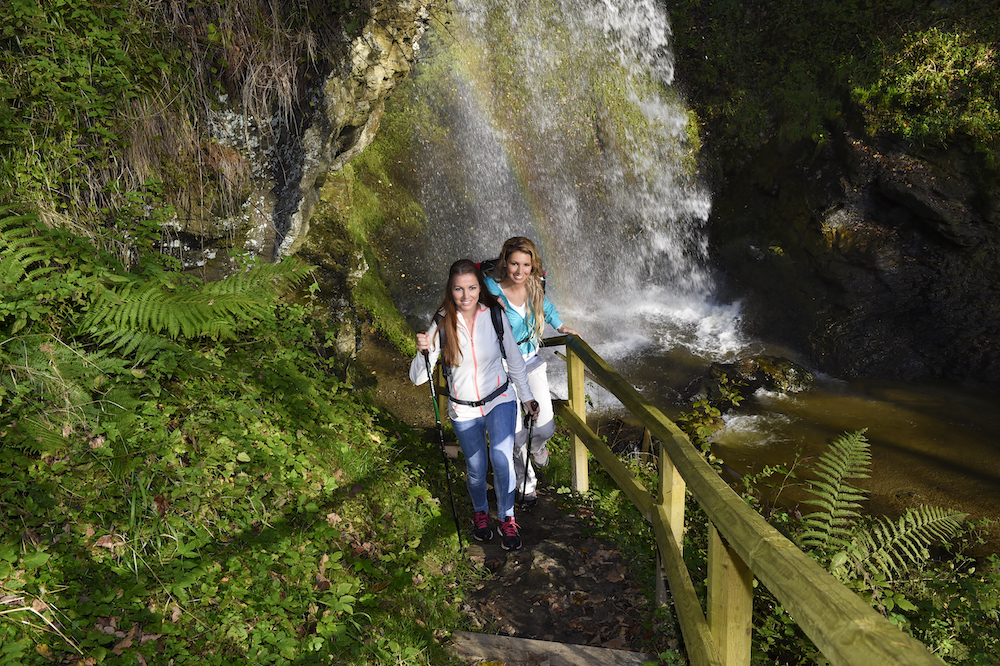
(465, 291)
(518, 267)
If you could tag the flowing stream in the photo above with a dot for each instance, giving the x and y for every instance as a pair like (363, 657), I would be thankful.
(557, 120)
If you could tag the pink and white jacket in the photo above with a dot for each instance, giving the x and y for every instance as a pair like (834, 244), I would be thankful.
(481, 370)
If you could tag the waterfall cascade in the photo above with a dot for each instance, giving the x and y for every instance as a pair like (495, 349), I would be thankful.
(558, 121)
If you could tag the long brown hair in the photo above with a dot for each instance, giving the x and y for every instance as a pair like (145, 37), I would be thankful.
(536, 292)
(451, 354)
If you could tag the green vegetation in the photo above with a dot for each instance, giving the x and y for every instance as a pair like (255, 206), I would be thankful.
(913, 569)
(101, 100)
(790, 70)
(190, 476)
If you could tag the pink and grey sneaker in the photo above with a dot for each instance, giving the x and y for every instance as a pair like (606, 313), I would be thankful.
(481, 530)
(540, 455)
(510, 534)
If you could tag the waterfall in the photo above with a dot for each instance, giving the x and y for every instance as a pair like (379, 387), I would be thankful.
(558, 120)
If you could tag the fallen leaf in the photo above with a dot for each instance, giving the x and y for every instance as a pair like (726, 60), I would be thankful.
(107, 541)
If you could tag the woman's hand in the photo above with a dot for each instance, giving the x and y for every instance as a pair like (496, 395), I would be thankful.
(532, 408)
(423, 342)
(566, 330)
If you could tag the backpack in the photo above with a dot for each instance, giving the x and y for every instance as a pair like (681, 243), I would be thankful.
(496, 312)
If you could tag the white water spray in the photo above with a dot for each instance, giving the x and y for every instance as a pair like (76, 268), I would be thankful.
(562, 125)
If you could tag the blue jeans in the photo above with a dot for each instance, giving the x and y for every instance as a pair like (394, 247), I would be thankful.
(499, 423)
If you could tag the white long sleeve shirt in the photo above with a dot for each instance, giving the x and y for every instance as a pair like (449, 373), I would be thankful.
(481, 370)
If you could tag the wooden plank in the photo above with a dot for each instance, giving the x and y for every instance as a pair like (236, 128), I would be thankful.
(845, 629)
(671, 493)
(635, 491)
(514, 651)
(698, 641)
(730, 601)
(579, 476)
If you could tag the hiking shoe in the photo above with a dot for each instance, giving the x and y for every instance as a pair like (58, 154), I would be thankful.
(510, 534)
(541, 456)
(529, 501)
(481, 530)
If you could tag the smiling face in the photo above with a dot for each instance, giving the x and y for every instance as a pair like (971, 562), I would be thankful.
(465, 292)
(518, 267)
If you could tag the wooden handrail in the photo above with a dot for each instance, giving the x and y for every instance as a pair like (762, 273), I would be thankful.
(846, 630)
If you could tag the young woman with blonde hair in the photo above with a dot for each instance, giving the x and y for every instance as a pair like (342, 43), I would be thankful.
(517, 280)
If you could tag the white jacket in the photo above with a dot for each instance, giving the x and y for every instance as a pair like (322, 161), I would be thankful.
(481, 370)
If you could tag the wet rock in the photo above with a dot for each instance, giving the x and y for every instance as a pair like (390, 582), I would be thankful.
(769, 372)
(874, 259)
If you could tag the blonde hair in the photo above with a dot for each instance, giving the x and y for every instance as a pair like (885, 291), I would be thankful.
(536, 290)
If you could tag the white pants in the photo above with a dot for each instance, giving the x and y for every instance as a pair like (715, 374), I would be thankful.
(544, 428)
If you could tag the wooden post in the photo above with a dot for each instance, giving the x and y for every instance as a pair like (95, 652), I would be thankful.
(662, 593)
(730, 601)
(579, 475)
(670, 493)
(647, 440)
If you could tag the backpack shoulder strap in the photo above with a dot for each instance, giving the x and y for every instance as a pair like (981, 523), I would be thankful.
(496, 313)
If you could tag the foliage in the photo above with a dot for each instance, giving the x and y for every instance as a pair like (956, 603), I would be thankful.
(101, 98)
(839, 502)
(924, 70)
(940, 601)
(935, 86)
(157, 504)
(68, 68)
(705, 417)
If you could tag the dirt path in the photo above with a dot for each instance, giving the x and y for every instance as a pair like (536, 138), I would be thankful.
(561, 586)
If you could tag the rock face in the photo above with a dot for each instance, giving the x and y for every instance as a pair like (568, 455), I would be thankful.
(287, 164)
(879, 262)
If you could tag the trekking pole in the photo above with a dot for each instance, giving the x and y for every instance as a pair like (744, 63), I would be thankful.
(444, 454)
(529, 423)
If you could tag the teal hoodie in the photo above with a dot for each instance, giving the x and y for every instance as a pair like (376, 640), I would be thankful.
(524, 330)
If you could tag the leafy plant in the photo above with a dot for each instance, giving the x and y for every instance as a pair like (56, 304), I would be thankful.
(705, 417)
(839, 501)
(173, 474)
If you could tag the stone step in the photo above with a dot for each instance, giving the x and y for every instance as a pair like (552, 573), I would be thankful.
(512, 651)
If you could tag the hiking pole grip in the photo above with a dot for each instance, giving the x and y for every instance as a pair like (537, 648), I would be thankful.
(444, 453)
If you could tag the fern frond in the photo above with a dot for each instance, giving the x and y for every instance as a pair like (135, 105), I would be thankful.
(839, 502)
(891, 547)
(139, 346)
(41, 436)
(23, 253)
(216, 309)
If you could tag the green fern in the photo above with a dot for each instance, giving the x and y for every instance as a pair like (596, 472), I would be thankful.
(890, 547)
(22, 255)
(849, 457)
(167, 303)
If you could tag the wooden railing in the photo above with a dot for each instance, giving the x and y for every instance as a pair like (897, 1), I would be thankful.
(741, 545)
